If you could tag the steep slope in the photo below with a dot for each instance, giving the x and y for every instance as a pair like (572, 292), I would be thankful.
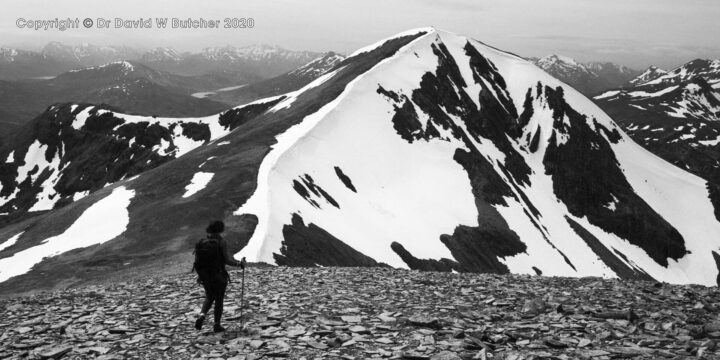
(290, 81)
(589, 78)
(674, 114)
(525, 142)
(425, 150)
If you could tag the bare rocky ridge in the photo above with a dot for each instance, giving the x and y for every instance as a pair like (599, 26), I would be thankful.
(355, 313)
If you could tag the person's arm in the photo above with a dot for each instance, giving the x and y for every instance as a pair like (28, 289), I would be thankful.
(228, 259)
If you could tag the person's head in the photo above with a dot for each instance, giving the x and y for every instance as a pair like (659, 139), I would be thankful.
(215, 227)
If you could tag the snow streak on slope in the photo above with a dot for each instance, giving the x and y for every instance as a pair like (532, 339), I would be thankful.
(92, 227)
(198, 182)
(10, 242)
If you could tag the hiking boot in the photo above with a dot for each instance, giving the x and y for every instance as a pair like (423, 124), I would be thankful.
(218, 328)
(199, 322)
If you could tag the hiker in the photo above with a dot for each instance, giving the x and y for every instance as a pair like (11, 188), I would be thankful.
(211, 256)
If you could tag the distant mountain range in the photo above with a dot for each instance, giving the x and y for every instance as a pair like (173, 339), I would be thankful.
(588, 78)
(245, 63)
(262, 61)
(675, 114)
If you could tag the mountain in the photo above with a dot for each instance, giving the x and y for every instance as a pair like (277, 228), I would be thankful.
(674, 114)
(162, 54)
(589, 78)
(651, 73)
(427, 150)
(130, 86)
(290, 81)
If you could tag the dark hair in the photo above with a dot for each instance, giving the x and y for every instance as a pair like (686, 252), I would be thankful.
(215, 227)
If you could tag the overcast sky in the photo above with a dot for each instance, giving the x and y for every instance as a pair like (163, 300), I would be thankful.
(636, 33)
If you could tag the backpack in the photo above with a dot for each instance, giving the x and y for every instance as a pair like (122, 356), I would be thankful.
(208, 256)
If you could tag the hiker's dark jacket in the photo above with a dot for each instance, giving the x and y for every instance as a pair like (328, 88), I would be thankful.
(226, 260)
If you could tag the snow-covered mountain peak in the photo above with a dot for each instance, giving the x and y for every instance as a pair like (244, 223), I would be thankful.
(535, 118)
(554, 59)
(651, 73)
(162, 54)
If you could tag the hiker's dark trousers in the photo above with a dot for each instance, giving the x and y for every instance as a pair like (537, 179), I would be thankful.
(214, 285)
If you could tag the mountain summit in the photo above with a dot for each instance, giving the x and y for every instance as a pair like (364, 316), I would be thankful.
(427, 150)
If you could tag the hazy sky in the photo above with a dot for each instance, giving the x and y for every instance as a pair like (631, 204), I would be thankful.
(636, 33)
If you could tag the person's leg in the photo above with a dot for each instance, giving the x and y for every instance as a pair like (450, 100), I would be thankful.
(219, 301)
(207, 304)
(209, 299)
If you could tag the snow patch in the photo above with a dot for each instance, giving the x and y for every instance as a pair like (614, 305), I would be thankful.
(11, 241)
(80, 194)
(198, 182)
(101, 222)
(607, 94)
(710, 142)
(653, 94)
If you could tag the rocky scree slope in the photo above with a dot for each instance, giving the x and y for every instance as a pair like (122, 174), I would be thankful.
(350, 313)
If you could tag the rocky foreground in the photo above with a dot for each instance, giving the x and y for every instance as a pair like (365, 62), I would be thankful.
(352, 313)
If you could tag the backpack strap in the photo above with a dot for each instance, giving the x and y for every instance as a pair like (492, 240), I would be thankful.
(194, 267)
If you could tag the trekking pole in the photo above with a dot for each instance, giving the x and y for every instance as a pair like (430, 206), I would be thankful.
(242, 296)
